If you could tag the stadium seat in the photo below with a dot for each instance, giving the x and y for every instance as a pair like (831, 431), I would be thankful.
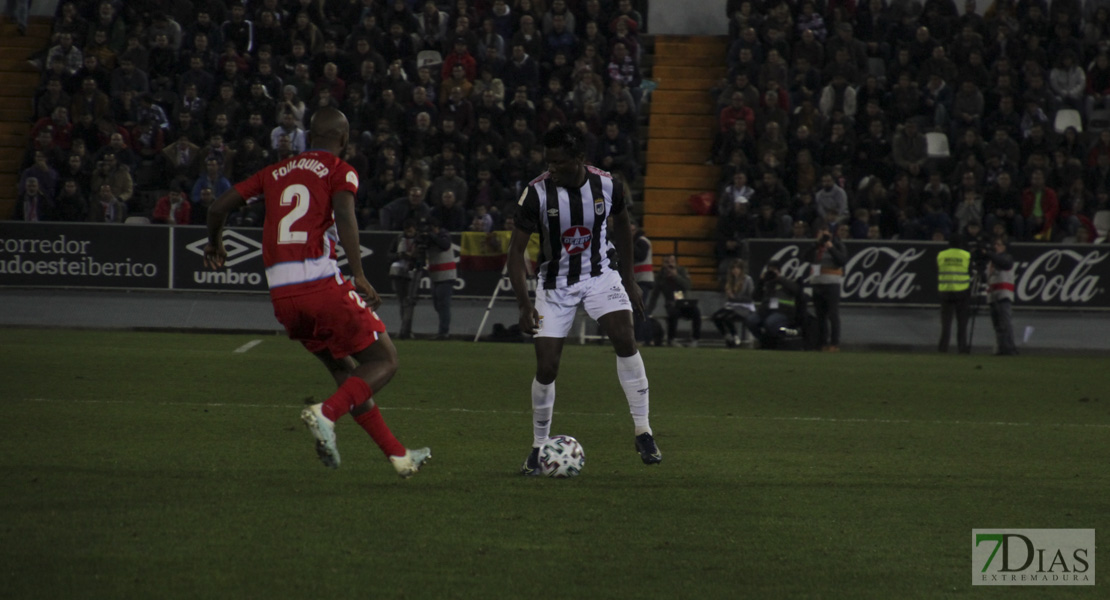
(937, 144)
(429, 58)
(137, 221)
(1102, 222)
(1099, 120)
(1068, 117)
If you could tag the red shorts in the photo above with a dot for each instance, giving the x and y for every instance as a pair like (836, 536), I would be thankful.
(332, 317)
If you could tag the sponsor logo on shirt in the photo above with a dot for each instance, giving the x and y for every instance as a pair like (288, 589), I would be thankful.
(576, 240)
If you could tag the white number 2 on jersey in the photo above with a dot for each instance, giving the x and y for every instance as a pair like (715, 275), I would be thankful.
(297, 195)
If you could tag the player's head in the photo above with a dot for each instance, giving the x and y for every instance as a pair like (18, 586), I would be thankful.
(329, 130)
(565, 154)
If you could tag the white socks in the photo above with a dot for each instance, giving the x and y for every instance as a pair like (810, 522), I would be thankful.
(543, 403)
(633, 378)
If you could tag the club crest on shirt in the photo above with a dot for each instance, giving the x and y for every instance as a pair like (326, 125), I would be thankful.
(599, 206)
(576, 240)
(553, 212)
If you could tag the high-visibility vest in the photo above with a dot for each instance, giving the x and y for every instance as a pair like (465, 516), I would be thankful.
(952, 270)
(441, 264)
(643, 270)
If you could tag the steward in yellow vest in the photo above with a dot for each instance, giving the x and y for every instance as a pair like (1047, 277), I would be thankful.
(954, 285)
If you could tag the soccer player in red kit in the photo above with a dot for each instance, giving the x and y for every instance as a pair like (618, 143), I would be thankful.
(310, 206)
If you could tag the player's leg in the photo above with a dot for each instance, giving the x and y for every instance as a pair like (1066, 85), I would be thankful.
(376, 366)
(633, 379)
(341, 322)
(339, 369)
(610, 306)
(549, 351)
(556, 309)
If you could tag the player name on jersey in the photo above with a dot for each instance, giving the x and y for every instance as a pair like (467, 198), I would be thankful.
(308, 164)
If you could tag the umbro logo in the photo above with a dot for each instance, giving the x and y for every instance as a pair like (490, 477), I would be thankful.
(239, 247)
(552, 212)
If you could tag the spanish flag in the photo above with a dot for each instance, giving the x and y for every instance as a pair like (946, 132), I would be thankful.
(489, 251)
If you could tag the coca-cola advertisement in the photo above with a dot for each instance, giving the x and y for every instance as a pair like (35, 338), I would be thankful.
(905, 273)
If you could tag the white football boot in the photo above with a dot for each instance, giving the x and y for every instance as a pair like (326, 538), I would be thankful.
(323, 429)
(410, 463)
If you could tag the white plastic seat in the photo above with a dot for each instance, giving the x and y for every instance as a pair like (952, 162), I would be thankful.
(428, 58)
(936, 143)
(1068, 117)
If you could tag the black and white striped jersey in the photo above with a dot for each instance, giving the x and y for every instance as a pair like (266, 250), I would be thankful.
(574, 243)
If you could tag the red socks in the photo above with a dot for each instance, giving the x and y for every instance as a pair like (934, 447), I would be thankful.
(353, 392)
(374, 424)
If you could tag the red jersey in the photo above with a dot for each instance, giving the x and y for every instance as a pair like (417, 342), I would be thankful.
(299, 235)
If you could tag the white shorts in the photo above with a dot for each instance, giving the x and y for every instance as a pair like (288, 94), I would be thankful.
(600, 296)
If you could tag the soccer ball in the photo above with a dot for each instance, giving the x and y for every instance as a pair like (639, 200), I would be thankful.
(562, 456)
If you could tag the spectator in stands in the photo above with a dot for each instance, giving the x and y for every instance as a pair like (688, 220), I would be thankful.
(106, 207)
(124, 155)
(174, 208)
(736, 110)
(408, 207)
(521, 70)
(238, 29)
(32, 204)
(71, 205)
(1068, 82)
(1040, 207)
(180, 159)
(74, 168)
(90, 101)
(910, 150)
(129, 77)
(211, 178)
(289, 129)
(449, 180)
(65, 50)
(116, 176)
(831, 200)
(560, 40)
(672, 283)
(616, 154)
(450, 213)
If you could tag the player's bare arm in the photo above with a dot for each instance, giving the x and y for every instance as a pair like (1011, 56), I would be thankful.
(622, 238)
(228, 202)
(343, 204)
(518, 276)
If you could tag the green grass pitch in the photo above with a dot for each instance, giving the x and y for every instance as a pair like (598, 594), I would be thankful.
(144, 465)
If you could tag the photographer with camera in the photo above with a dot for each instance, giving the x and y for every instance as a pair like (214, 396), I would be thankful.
(409, 252)
(777, 297)
(826, 260)
(1000, 280)
(442, 270)
(673, 284)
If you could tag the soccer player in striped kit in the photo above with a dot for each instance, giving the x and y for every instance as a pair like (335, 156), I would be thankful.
(310, 205)
(568, 206)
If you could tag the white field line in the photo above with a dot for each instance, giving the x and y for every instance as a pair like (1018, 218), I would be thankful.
(591, 414)
(247, 346)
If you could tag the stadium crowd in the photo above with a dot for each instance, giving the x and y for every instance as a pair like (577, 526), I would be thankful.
(153, 108)
(915, 121)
